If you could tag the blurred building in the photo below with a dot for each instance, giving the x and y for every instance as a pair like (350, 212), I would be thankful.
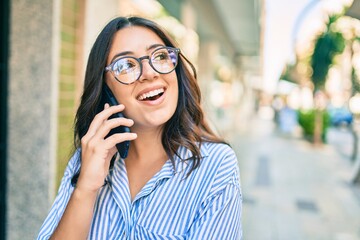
(44, 48)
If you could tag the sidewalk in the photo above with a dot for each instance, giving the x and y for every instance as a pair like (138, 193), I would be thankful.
(294, 191)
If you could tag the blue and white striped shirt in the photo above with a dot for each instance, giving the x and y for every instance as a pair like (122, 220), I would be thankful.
(205, 205)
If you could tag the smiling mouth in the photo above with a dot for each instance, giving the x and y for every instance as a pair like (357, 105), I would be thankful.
(152, 95)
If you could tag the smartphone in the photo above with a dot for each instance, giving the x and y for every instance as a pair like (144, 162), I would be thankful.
(123, 147)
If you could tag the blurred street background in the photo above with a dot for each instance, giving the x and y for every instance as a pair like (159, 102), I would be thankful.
(293, 190)
(279, 79)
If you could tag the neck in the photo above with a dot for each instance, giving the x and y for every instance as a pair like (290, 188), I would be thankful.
(147, 146)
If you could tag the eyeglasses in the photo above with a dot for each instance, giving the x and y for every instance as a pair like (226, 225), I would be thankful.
(128, 69)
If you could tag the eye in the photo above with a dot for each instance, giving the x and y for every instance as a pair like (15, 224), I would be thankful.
(161, 55)
(125, 65)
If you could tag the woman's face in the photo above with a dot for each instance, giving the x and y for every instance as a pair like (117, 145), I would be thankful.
(146, 112)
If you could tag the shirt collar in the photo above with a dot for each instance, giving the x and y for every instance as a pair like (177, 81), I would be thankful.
(166, 172)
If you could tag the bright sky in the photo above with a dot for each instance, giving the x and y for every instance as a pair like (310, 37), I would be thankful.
(288, 23)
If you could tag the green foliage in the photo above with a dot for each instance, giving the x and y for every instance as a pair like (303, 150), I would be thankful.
(307, 122)
(327, 46)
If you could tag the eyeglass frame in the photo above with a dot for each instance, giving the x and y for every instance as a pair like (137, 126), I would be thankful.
(140, 59)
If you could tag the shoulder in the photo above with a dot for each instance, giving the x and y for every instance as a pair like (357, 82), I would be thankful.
(213, 155)
(222, 163)
(73, 166)
(218, 154)
(66, 187)
(216, 149)
(75, 161)
(62, 198)
(218, 170)
(218, 163)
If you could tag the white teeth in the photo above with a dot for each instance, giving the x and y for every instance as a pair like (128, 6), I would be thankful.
(151, 94)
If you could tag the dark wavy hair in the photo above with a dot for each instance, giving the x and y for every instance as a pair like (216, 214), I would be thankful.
(187, 127)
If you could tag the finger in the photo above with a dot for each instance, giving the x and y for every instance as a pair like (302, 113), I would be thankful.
(106, 127)
(101, 117)
(118, 138)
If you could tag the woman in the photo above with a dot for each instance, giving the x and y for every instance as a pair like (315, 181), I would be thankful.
(178, 180)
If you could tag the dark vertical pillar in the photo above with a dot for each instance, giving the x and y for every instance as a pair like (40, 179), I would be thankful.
(4, 48)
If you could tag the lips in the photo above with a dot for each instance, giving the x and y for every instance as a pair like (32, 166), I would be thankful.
(151, 95)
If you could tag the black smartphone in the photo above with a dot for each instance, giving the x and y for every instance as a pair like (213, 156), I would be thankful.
(123, 147)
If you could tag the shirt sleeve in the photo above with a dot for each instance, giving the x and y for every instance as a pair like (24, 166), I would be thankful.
(61, 200)
(219, 216)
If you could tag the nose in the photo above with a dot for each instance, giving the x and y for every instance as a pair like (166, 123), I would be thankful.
(148, 72)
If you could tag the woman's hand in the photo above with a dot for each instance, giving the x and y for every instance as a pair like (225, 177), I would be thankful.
(96, 151)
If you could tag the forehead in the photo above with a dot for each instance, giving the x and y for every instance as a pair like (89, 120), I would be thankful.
(134, 39)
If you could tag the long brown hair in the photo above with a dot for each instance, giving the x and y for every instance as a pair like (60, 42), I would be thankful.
(187, 127)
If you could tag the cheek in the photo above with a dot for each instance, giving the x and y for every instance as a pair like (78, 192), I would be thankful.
(130, 109)
(123, 96)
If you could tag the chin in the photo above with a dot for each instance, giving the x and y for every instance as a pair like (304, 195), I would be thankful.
(156, 120)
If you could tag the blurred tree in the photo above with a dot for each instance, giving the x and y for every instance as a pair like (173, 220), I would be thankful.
(327, 45)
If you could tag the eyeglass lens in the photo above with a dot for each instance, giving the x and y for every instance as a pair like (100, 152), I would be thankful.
(128, 69)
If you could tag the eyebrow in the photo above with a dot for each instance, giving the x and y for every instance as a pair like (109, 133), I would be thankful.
(153, 46)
